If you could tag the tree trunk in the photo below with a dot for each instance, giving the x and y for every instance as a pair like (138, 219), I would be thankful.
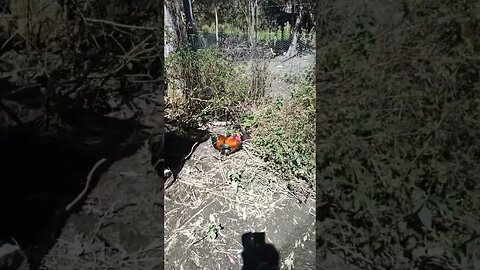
(251, 22)
(171, 39)
(174, 28)
(255, 25)
(293, 49)
(175, 34)
(216, 24)
(246, 12)
(187, 8)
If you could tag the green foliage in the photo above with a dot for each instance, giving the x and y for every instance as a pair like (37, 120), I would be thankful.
(213, 230)
(398, 141)
(237, 180)
(284, 133)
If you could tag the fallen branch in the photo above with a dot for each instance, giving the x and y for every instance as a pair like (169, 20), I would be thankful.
(87, 185)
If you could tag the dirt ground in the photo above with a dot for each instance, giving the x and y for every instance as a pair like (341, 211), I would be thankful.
(240, 194)
(207, 210)
(282, 70)
(216, 200)
(120, 224)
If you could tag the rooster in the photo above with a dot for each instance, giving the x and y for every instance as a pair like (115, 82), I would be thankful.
(228, 144)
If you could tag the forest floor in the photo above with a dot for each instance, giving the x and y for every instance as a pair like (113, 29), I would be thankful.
(207, 210)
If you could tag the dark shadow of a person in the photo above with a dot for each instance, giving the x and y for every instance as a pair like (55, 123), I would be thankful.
(258, 255)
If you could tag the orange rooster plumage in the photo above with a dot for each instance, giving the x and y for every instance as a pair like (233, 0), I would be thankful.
(227, 144)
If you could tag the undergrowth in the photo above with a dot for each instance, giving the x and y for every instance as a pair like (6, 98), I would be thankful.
(398, 136)
(205, 85)
(284, 134)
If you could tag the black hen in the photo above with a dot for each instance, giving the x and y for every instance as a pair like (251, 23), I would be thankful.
(169, 150)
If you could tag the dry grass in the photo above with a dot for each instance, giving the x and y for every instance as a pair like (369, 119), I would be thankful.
(207, 85)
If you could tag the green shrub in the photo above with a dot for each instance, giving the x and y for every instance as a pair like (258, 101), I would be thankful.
(284, 134)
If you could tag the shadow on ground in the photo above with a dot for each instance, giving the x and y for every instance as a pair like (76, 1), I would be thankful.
(178, 145)
(41, 174)
(257, 254)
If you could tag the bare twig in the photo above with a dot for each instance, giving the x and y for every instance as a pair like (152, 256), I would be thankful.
(21, 91)
(120, 24)
(9, 39)
(85, 189)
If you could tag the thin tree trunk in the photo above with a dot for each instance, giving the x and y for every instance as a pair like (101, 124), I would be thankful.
(255, 26)
(252, 23)
(187, 7)
(216, 23)
(293, 49)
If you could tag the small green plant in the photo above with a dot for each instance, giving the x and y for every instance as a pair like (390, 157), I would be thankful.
(236, 179)
(213, 231)
(249, 121)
